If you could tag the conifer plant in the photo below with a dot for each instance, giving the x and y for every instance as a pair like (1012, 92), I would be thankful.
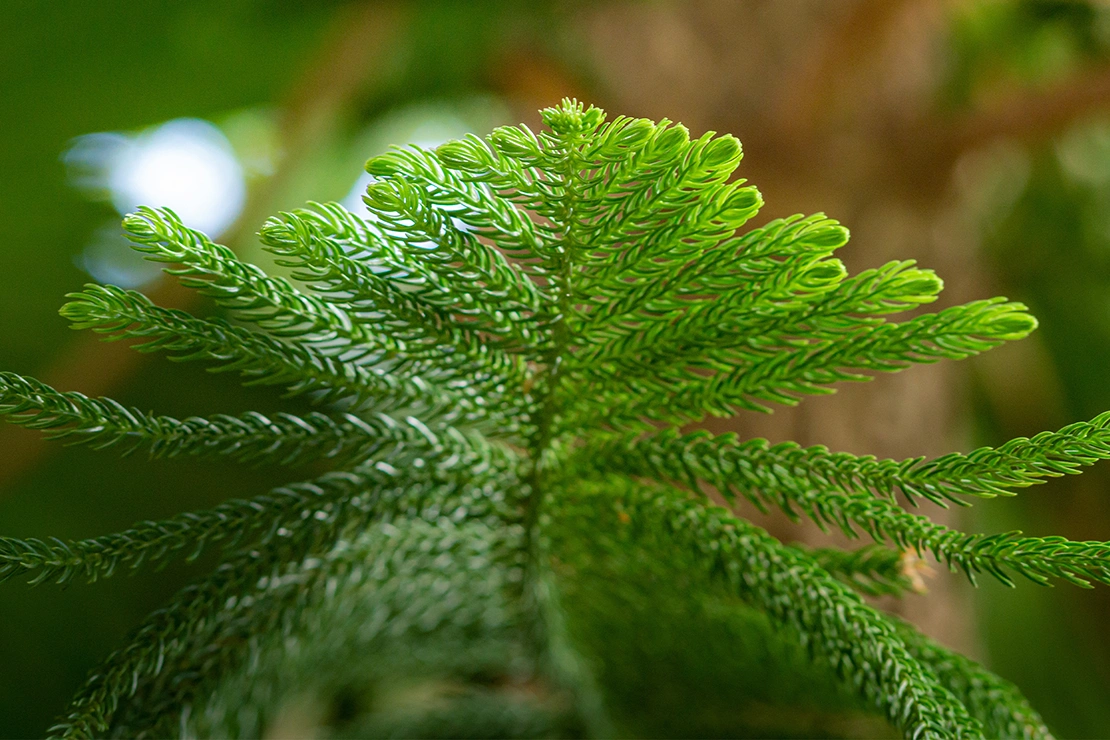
(514, 536)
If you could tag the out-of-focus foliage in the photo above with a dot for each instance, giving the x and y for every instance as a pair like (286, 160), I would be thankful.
(1051, 246)
(995, 46)
(1044, 214)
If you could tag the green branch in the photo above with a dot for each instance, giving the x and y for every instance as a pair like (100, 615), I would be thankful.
(779, 476)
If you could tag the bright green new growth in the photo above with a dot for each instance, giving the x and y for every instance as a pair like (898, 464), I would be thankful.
(514, 533)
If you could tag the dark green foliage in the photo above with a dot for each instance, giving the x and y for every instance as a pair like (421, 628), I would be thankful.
(500, 355)
(851, 492)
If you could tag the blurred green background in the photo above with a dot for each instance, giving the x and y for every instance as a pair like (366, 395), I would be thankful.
(971, 135)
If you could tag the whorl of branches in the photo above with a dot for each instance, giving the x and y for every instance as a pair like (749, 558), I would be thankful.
(501, 355)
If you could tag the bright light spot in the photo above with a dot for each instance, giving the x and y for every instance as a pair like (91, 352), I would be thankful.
(353, 200)
(186, 165)
(425, 126)
(109, 259)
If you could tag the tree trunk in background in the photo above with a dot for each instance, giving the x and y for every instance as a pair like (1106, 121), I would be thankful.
(827, 99)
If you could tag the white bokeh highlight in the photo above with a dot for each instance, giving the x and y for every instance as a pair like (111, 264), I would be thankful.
(422, 126)
(186, 165)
